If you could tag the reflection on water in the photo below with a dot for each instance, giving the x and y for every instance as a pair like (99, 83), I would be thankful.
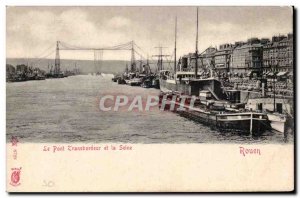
(66, 110)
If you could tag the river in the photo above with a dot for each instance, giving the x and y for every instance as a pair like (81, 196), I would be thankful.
(66, 110)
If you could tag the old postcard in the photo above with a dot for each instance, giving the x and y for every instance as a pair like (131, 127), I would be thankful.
(150, 99)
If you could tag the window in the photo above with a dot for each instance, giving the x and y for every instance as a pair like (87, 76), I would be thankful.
(279, 107)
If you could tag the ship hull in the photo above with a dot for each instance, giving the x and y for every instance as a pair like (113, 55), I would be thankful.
(257, 128)
(192, 86)
(277, 122)
(171, 86)
(134, 83)
(248, 126)
(155, 83)
(249, 123)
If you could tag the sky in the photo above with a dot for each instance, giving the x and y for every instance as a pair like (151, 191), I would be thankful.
(32, 32)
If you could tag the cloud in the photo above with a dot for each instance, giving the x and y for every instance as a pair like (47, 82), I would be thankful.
(118, 22)
(31, 30)
(36, 30)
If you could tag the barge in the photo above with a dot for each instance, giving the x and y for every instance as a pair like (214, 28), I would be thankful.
(219, 115)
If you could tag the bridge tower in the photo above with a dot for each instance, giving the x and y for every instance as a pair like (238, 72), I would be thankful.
(98, 57)
(133, 65)
(57, 60)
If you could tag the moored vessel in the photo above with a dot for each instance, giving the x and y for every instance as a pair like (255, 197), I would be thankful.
(217, 114)
(212, 107)
(278, 121)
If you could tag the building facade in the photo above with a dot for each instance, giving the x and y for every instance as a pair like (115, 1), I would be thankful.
(246, 58)
(278, 54)
(222, 59)
(253, 58)
(207, 58)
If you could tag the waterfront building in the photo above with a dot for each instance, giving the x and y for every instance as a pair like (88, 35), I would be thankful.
(205, 60)
(246, 59)
(187, 62)
(278, 55)
(253, 58)
(222, 59)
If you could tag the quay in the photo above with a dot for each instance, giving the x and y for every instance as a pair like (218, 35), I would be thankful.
(235, 83)
(245, 86)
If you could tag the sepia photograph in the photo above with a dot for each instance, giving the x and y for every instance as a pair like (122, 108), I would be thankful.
(138, 84)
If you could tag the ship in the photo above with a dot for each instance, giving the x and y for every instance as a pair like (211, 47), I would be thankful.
(213, 107)
(187, 82)
(278, 108)
(115, 78)
(219, 114)
(278, 121)
(136, 81)
(279, 113)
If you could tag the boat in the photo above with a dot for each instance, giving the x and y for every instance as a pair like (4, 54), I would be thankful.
(115, 78)
(252, 122)
(278, 121)
(210, 105)
(280, 118)
(146, 84)
(40, 77)
(127, 76)
(30, 76)
(215, 113)
(188, 82)
(121, 81)
(155, 82)
(135, 81)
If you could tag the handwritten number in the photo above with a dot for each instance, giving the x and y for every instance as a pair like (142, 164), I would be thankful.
(48, 183)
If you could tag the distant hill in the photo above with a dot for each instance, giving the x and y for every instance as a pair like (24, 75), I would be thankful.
(85, 66)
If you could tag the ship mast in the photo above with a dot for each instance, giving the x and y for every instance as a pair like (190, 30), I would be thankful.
(126, 69)
(175, 46)
(160, 56)
(196, 53)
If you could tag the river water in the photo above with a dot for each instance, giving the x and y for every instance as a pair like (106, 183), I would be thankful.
(67, 110)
